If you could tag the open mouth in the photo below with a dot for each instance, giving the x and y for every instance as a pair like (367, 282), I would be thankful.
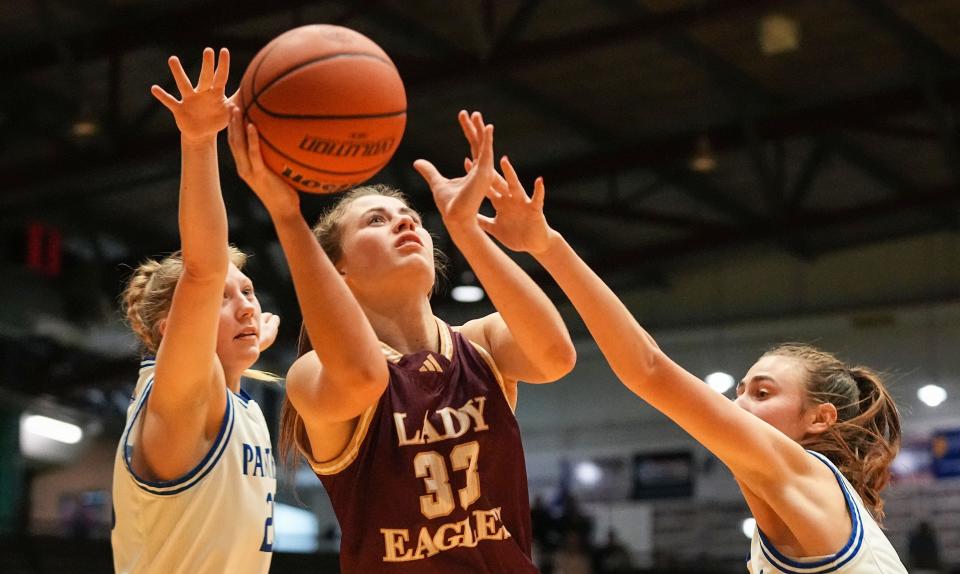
(408, 238)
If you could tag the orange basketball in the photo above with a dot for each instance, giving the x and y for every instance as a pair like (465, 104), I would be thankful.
(329, 106)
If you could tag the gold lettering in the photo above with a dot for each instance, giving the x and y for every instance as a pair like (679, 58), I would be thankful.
(503, 533)
(467, 533)
(394, 539)
(476, 412)
(425, 544)
(402, 431)
(486, 524)
(430, 434)
(447, 414)
(455, 540)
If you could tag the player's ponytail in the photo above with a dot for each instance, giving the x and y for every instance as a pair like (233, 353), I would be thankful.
(866, 437)
(147, 298)
(878, 441)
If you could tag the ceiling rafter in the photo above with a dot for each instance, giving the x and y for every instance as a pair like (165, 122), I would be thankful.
(931, 61)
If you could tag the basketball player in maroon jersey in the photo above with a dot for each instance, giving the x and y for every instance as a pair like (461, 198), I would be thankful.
(409, 423)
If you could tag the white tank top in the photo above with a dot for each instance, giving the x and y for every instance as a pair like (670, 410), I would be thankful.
(216, 518)
(866, 552)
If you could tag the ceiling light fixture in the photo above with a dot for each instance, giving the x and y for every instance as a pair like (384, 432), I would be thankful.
(467, 291)
(778, 34)
(703, 160)
(719, 381)
(932, 395)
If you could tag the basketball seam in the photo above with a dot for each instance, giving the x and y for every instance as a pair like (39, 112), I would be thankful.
(284, 73)
(317, 169)
(253, 82)
(329, 117)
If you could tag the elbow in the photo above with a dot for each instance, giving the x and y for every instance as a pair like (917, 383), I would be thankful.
(560, 361)
(644, 370)
(565, 359)
(370, 380)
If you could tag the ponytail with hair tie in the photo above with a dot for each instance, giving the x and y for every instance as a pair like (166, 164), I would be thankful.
(866, 436)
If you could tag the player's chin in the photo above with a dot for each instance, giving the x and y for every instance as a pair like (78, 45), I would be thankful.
(244, 352)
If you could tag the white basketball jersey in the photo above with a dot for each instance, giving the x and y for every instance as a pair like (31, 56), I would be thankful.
(866, 552)
(216, 518)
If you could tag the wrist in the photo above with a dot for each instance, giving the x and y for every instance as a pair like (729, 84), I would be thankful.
(198, 141)
(286, 213)
(463, 228)
(554, 245)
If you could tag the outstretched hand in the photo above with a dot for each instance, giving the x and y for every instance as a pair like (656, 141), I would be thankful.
(519, 223)
(277, 196)
(201, 111)
(459, 199)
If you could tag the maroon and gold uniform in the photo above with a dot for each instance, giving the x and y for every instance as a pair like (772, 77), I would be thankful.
(433, 479)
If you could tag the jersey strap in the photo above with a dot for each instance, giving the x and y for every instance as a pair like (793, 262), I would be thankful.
(194, 476)
(829, 563)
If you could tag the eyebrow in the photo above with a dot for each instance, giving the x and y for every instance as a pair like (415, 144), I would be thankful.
(404, 209)
(761, 378)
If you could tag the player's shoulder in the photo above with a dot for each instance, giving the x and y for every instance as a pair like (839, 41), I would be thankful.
(303, 371)
(476, 330)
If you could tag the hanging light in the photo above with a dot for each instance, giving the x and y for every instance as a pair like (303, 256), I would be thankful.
(778, 34)
(86, 124)
(932, 395)
(467, 291)
(719, 381)
(60, 431)
(588, 473)
(703, 160)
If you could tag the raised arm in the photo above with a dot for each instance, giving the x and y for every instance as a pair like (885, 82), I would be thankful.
(346, 373)
(756, 452)
(526, 337)
(188, 398)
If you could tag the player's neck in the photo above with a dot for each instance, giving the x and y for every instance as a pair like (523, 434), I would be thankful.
(233, 379)
(406, 328)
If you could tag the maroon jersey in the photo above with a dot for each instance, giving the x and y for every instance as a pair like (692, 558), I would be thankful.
(433, 479)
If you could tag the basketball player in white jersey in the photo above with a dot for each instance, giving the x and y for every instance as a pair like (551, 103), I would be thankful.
(808, 439)
(194, 478)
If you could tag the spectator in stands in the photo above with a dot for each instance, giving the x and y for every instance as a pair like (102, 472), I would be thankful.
(924, 551)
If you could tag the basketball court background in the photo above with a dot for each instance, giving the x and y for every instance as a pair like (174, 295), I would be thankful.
(740, 172)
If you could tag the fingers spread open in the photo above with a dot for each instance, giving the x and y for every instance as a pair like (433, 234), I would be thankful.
(485, 159)
(222, 71)
(539, 193)
(470, 132)
(179, 76)
(206, 70)
(512, 180)
(428, 172)
(166, 99)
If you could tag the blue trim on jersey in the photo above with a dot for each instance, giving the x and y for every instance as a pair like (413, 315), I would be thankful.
(856, 536)
(216, 450)
(244, 397)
